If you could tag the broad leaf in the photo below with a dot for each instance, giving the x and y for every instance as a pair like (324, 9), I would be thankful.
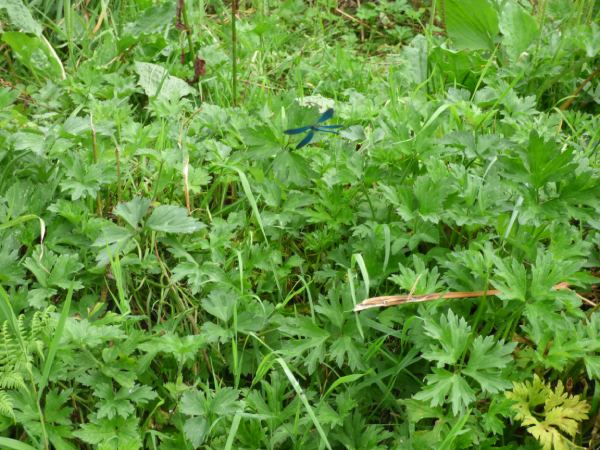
(172, 219)
(20, 17)
(151, 20)
(220, 303)
(157, 82)
(196, 429)
(518, 27)
(133, 211)
(471, 24)
(34, 53)
(117, 433)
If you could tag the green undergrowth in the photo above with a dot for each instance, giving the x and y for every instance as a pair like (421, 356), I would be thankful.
(175, 274)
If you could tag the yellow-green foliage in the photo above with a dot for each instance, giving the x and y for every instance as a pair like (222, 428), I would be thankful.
(560, 415)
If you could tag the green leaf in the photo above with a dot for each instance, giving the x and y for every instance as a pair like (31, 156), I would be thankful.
(114, 434)
(487, 358)
(312, 339)
(85, 180)
(263, 141)
(112, 241)
(196, 430)
(64, 270)
(345, 347)
(451, 334)
(112, 235)
(151, 20)
(84, 334)
(457, 429)
(192, 272)
(486, 353)
(294, 382)
(417, 410)
(203, 407)
(548, 272)
(541, 162)
(193, 403)
(54, 345)
(216, 333)
(157, 82)
(471, 24)
(172, 219)
(292, 168)
(35, 53)
(133, 211)
(225, 402)
(33, 142)
(430, 195)
(248, 191)
(111, 406)
(232, 431)
(343, 380)
(53, 270)
(510, 279)
(421, 280)
(20, 17)
(13, 444)
(592, 366)
(11, 272)
(220, 303)
(183, 348)
(447, 387)
(493, 419)
(305, 327)
(518, 27)
(546, 162)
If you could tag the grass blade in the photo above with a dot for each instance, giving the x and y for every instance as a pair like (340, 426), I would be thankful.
(53, 349)
(388, 245)
(232, 431)
(448, 442)
(251, 199)
(117, 271)
(353, 296)
(13, 444)
(342, 380)
(300, 392)
(364, 272)
(513, 217)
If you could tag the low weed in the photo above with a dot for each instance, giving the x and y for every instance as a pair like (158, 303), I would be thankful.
(177, 272)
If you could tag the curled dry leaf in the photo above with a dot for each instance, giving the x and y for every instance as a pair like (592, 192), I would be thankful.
(393, 300)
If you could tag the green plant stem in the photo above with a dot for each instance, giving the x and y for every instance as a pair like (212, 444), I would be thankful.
(95, 159)
(188, 31)
(118, 167)
(39, 409)
(234, 9)
(364, 188)
(68, 26)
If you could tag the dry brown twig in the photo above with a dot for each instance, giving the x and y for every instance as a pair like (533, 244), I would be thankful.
(565, 105)
(392, 300)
